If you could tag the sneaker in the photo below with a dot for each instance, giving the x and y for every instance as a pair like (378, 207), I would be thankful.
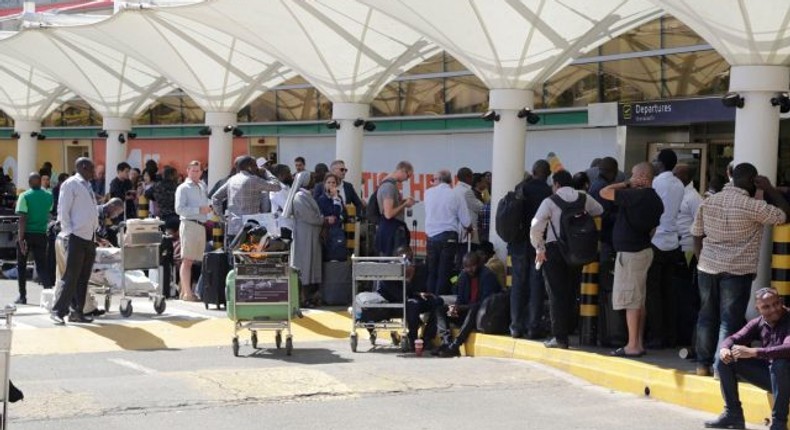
(97, 312)
(438, 350)
(555, 343)
(22, 300)
(57, 319)
(726, 421)
(703, 370)
(451, 351)
(80, 318)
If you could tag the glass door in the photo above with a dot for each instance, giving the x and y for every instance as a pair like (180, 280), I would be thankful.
(694, 155)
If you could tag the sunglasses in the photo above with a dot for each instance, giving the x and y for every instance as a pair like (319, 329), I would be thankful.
(343, 169)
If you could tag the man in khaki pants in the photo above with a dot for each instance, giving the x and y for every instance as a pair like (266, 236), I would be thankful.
(192, 205)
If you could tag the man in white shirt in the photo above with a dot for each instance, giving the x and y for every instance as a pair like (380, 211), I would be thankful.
(469, 234)
(278, 198)
(686, 270)
(445, 213)
(193, 207)
(661, 322)
(78, 214)
(562, 279)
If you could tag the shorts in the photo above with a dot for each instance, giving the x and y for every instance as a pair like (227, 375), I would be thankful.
(193, 240)
(630, 279)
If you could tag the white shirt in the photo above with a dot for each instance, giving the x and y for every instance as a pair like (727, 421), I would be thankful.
(190, 197)
(445, 210)
(78, 212)
(549, 213)
(671, 191)
(688, 210)
(464, 191)
(278, 199)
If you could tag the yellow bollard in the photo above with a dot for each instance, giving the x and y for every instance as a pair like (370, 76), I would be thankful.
(218, 235)
(509, 272)
(142, 206)
(350, 228)
(588, 306)
(780, 261)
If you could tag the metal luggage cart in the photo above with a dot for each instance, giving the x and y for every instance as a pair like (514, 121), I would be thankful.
(373, 269)
(5, 355)
(263, 295)
(139, 240)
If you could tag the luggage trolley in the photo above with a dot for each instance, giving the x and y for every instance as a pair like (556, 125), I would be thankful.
(372, 269)
(263, 295)
(139, 240)
(5, 354)
(9, 236)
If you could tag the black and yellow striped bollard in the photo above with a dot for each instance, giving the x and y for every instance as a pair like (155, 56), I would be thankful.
(350, 228)
(780, 261)
(218, 235)
(142, 206)
(509, 272)
(588, 306)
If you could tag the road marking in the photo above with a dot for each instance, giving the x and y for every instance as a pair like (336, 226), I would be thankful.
(132, 365)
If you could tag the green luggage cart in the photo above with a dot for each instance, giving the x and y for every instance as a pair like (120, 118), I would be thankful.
(263, 295)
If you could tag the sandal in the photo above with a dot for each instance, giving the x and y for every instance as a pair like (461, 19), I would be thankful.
(620, 352)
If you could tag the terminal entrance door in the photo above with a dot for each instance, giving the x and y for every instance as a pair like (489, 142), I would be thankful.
(82, 148)
(693, 154)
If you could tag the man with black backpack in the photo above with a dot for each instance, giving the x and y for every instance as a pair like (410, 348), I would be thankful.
(570, 242)
(387, 209)
(513, 216)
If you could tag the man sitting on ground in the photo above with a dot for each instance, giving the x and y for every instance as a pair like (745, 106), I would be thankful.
(767, 367)
(475, 284)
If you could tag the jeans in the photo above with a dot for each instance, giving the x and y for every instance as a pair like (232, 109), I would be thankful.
(562, 281)
(37, 244)
(528, 290)
(414, 308)
(723, 302)
(467, 319)
(773, 377)
(661, 323)
(79, 264)
(441, 253)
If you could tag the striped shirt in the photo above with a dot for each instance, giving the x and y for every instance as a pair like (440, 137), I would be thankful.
(732, 225)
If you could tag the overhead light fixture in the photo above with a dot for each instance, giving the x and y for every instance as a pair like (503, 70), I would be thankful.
(131, 135)
(532, 118)
(205, 131)
(783, 101)
(15, 135)
(237, 132)
(359, 122)
(491, 116)
(369, 126)
(733, 100)
(333, 125)
(41, 136)
(33, 134)
(121, 139)
(228, 128)
(103, 133)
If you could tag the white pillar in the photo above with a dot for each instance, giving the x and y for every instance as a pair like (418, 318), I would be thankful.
(348, 146)
(220, 145)
(27, 148)
(757, 135)
(115, 152)
(510, 134)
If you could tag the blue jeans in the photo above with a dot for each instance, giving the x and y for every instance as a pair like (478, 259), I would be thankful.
(723, 302)
(773, 377)
(527, 292)
(441, 254)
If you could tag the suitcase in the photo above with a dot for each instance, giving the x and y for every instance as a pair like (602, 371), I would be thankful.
(336, 283)
(215, 269)
(612, 329)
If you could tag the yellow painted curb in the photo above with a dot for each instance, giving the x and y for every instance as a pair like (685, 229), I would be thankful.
(622, 374)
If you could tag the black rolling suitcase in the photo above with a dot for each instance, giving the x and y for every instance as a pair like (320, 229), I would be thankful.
(612, 329)
(336, 285)
(215, 268)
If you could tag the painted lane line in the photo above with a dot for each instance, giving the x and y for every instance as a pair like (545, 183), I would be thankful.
(132, 365)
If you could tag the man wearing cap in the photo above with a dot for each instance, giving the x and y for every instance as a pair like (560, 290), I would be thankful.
(347, 191)
(661, 323)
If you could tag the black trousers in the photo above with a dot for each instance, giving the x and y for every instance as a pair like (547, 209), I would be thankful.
(467, 320)
(37, 244)
(562, 281)
(661, 323)
(80, 254)
(441, 260)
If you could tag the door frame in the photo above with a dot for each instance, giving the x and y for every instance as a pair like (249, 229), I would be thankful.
(653, 149)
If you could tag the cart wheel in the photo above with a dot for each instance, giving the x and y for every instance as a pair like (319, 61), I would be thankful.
(278, 340)
(395, 338)
(160, 305)
(404, 344)
(353, 343)
(289, 346)
(254, 340)
(107, 302)
(373, 336)
(126, 311)
(235, 346)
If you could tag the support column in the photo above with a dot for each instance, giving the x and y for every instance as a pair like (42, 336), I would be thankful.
(348, 146)
(757, 135)
(220, 145)
(509, 153)
(115, 152)
(27, 148)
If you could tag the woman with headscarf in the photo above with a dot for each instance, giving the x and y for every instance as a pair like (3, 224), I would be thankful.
(308, 222)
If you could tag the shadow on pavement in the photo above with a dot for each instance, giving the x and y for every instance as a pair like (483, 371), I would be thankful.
(129, 338)
(299, 355)
(316, 327)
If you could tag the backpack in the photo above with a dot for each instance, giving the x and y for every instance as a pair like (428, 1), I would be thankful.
(511, 222)
(578, 238)
(372, 210)
(494, 314)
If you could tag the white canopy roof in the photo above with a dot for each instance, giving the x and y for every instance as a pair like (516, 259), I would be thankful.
(220, 72)
(744, 32)
(518, 44)
(344, 48)
(27, 93)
